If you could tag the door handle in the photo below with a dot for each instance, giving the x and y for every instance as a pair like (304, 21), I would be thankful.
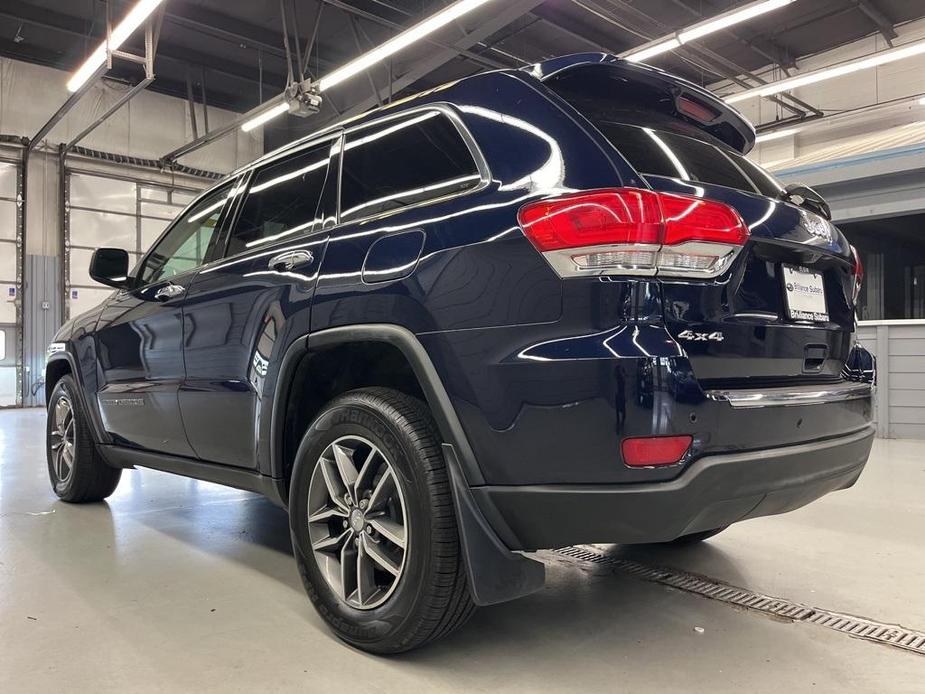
(169, 291)
(290, 259)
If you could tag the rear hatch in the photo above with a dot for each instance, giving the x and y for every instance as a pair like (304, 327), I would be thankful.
(783, 312)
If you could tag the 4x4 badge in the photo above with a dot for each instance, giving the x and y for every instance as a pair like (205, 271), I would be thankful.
(691, 336)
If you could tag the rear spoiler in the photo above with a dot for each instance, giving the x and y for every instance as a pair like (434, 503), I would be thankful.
(693, 104)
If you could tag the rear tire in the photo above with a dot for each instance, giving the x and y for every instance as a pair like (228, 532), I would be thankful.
(694, 538)
(360, 530)
(77, 472)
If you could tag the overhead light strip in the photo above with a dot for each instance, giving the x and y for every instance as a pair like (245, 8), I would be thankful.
(380, 53)
(403, 40)
(268, 115)
(847, 68)
(134, 19)
(704, 28)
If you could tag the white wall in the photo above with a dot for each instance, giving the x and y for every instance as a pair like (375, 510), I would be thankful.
(150, 125)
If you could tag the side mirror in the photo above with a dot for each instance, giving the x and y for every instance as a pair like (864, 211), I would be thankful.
(109, 266)
(804, 196)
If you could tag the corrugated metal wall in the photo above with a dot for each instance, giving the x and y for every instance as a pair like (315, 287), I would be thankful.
(41, 311)
(900, 350)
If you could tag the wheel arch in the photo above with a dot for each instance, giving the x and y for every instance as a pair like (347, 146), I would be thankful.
(495, 573)
(59, 365)
(296, 368)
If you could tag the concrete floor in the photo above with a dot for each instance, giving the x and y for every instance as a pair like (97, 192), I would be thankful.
(178, 585)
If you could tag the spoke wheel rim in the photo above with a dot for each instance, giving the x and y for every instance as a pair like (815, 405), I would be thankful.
(358, 522)
(62, 439)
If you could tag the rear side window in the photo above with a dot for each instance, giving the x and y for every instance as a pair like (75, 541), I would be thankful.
(401, 163)
(282, 199)
(661, 153)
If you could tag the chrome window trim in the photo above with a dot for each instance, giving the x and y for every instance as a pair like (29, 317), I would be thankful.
(246, 174)
(791, 396)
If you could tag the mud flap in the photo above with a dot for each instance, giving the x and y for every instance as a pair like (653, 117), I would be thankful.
(496, 574)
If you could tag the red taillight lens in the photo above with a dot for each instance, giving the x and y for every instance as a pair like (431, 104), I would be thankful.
(655, 450)
(634, 231)
(858, 275)
(695, 219)
(593, 219)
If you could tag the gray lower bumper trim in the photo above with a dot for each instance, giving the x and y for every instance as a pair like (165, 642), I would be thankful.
(798, 395)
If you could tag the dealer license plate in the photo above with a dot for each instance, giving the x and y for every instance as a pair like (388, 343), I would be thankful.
(805, 292)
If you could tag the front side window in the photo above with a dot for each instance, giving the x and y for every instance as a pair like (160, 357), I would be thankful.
(184, 247)
(405, 162)
(283, 199)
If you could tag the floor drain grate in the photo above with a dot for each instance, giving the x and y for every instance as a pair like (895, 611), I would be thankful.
(858, 627)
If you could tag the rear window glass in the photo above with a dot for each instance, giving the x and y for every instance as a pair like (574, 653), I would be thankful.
(661, 153)
(401, 163)
(766, 183)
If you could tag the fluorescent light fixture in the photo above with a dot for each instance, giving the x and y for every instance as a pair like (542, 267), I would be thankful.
(268, 115)
(138, 14)
(397, 43)
(922, 101)
(650, 51)
(728, 19)
(776, 134)
(704, 28)
(882, 58)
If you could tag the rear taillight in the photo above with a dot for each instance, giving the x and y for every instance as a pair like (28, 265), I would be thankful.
(633, 231)
(858, 276)
(652, 451)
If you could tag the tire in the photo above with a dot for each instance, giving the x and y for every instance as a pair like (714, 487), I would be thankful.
(430, 597)
(86, 477)
(694, 538)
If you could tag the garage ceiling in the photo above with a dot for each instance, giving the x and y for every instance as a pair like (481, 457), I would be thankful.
(232, 50)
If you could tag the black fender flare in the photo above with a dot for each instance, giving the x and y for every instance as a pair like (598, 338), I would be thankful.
(496, 574)
(437, 398)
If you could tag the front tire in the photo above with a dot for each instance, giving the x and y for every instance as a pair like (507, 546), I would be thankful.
(373, 523)
(77, 472)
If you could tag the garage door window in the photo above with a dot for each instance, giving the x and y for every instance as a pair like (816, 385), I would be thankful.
(404, 163)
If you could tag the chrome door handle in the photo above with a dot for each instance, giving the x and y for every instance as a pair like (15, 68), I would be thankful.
(169, 291)
(290, 259)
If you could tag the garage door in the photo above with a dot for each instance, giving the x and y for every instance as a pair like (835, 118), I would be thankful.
(10, 275)
(110, 211)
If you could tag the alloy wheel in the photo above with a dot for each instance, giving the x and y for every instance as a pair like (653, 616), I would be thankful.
(62, 439)
(357, 522)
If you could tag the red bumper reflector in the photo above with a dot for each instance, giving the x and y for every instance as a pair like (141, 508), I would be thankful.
(655, 450)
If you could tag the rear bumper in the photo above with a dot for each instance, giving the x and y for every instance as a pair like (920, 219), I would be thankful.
(714, 491)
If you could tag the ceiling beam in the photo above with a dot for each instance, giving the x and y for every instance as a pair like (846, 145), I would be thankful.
(881, 22)
(766, 48)
(717, 63)
(121, 73)
(512, 10)
(240, 33)
(482, 60)
(72, 26)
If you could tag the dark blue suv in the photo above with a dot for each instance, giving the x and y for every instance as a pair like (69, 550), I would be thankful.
(520, 311)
